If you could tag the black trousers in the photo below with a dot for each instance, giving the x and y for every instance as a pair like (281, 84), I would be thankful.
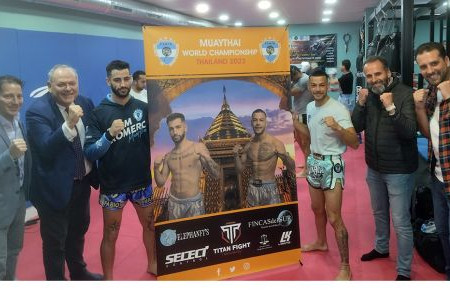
(63, 231)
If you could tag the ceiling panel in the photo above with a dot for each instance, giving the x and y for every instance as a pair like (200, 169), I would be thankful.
(293, 11)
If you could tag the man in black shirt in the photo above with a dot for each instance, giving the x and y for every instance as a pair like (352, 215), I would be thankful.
(346, 83)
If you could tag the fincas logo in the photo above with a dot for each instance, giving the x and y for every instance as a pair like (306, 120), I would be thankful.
(231, 232)
(283, 219)
(167, 51)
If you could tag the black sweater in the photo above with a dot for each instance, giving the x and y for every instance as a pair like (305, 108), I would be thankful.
(126, 164)
(390, 141)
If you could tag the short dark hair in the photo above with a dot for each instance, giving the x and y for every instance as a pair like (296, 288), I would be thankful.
(175, 116)
(259, 111)
(137, 74)
(375, 58)
(347, 64)
(116, 65)
(9, 79)
(318, 73)
(430, 46)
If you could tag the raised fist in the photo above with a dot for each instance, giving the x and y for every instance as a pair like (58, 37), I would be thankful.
(75, 112)
(116, 127)
(17, 148)
(362, 96)
(419, 98)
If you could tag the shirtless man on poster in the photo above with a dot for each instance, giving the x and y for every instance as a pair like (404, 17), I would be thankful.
(185, 161)
(262, 154)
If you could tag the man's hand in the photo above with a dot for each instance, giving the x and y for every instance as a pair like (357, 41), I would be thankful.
(116, 127)
(419, 98)
(74, 114)
(17, 148)
(386, 99)
(331, 123)
(362, 97)
(444, 87)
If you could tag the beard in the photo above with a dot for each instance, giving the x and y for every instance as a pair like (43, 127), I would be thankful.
(178, 138)
(379, 87)
(120, 92)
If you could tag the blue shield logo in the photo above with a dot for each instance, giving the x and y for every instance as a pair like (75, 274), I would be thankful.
(167, 51)
(270, 49)
(137, 114)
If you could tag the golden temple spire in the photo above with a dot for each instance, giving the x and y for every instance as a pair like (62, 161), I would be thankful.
(225, 105)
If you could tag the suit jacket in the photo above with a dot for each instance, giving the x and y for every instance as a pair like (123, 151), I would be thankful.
(53, 155)
(11, 195)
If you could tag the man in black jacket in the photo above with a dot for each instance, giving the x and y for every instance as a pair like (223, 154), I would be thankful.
(385, 111)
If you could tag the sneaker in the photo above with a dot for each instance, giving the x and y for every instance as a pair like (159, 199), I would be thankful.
(373, 255)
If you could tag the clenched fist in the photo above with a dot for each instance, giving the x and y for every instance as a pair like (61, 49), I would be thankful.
(75, 112)
(419, 98)
(17, 148)
(330, 122)
(386, 99)
(116, 127)
(362, 96)
(444, 87)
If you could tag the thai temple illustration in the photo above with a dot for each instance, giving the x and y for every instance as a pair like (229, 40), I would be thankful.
(229, 192)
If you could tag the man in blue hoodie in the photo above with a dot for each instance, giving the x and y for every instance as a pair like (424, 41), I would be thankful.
(118, 138)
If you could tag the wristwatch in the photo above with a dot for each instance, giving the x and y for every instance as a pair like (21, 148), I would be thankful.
(391, 109)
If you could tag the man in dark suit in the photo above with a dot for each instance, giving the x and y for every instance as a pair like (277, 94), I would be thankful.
(15, 172)
(60, 188)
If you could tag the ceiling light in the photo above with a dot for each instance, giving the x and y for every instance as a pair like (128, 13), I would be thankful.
(224, 17)
(202, 8)
(274, 14)
(330, 1)
(238, 23)
(281, 21)
(263, 5)
(327, 12)
(325, 19)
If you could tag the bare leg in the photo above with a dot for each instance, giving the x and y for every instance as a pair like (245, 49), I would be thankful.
(333, 204)
(147, 220)
(304, 142)
(111, 226)
(320, 217)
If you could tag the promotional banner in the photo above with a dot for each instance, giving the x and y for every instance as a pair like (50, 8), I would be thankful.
(318, 50)
(222, 150)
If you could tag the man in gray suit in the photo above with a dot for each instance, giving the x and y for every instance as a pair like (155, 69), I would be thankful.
(15, 165)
